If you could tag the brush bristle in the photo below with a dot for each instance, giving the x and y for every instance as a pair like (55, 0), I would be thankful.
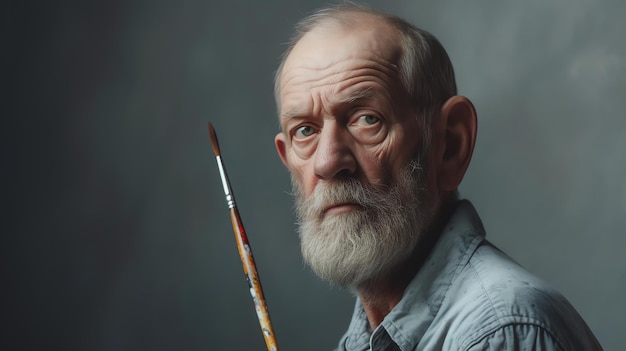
(213, 137)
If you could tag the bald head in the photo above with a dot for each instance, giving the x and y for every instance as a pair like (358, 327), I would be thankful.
(331, 47)
(424, 68)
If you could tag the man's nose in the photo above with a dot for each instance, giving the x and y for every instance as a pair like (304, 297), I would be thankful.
(333, 155)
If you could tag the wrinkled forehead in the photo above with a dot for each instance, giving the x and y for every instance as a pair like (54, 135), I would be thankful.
(333, 41)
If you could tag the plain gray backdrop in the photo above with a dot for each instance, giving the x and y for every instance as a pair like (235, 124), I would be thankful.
(116, 233)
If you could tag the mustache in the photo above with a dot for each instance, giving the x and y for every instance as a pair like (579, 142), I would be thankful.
(328, 193)
(372, 197)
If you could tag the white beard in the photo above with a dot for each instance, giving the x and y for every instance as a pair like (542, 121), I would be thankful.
(353, 248)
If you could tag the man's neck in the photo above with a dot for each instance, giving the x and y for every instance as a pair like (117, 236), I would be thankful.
(381, 295)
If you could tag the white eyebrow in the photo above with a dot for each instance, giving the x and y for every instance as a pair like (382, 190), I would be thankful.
(366, 93)
(294, 112)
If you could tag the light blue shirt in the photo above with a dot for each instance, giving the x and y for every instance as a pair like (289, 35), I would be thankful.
(469, 295)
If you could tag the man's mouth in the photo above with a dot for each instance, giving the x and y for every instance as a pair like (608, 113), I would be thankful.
(341, 208)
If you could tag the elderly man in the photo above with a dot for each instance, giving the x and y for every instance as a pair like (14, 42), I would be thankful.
(377, 142)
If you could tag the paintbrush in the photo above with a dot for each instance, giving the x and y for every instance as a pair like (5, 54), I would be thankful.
(245, 252)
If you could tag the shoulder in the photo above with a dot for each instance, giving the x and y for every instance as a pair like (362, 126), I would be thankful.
(494, 301)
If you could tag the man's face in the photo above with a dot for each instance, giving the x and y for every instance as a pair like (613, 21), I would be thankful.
(350, 139)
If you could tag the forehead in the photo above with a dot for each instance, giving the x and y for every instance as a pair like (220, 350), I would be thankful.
(335, 47)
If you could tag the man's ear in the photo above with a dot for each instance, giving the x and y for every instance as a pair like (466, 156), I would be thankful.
(281, 147)
(458, 132)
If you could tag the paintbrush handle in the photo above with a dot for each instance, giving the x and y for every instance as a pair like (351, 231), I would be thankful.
(245, 252)
(254, 283)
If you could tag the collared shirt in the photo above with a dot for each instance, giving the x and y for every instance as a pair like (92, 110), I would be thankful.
(468, 295)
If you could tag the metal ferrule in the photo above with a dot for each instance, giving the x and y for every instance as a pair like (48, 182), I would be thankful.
(230, 199)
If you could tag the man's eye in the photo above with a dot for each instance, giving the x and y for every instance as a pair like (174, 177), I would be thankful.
(368, 120)
(303, 132)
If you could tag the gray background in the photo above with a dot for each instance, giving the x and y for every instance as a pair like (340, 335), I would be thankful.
(116, 234)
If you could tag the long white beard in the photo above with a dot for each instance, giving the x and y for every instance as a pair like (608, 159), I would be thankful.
(350, 249)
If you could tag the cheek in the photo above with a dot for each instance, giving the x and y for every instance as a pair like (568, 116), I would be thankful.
(375, 165)
(383, 163)
(302, 175)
